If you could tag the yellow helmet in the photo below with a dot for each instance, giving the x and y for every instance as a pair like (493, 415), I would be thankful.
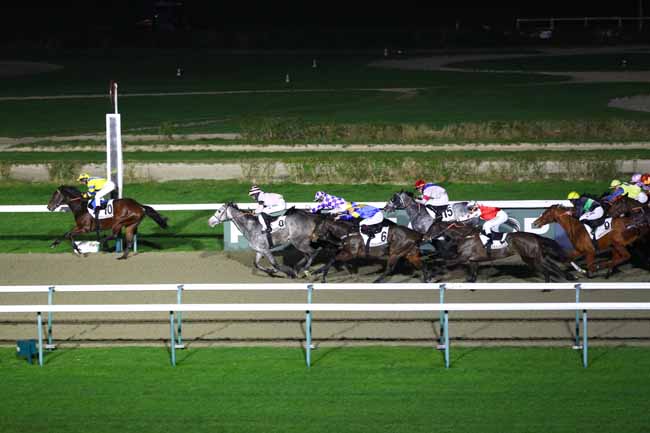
(573, 195)
(83, 176)
(615, 183)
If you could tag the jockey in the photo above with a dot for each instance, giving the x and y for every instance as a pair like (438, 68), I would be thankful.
(369, 216)
(645, 182)
(328, 202)
(97, 188)
(434, 197)
(268, 205)
(493, 217)
(587, 210)
(633, 191)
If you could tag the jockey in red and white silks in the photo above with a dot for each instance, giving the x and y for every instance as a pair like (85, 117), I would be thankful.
(493, 216)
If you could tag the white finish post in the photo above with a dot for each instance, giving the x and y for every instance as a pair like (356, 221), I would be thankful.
(441, 343)
(179, 318)
(50, 300)
(577, 342)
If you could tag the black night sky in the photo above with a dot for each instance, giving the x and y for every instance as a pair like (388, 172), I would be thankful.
(94, 22)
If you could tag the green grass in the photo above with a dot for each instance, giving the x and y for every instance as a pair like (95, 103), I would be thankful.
(635, 61)
(188, 230)
(371, 389)
(445, 98)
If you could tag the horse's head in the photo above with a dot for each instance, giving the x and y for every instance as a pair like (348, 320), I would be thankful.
(399, 200)
(222, 214)
(63, 195)
(551, 214)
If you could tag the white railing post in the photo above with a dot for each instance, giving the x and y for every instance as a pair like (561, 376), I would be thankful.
(50, 299)
(310, 288)
(441, 343)
(179, 317)
(577, 327)
(446, 339)
(39, 324)
(172, 339)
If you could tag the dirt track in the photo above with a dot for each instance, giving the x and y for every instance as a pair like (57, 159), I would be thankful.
(514, 328)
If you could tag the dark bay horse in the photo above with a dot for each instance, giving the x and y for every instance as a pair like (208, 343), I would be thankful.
(541, 254)
(127, 214)
(618, 238)
(299, 226)
(401, 242)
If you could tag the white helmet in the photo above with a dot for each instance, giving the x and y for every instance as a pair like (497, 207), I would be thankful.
(636, 177)
(471, 204)
(320, 195)
(254, 190)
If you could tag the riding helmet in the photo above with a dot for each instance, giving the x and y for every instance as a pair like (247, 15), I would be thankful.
(573, 195)
(419, 183)
(615, 183)
(83, 176)
(254, 190)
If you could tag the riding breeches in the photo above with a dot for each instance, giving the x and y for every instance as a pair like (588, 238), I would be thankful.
(493, 224)
(108, 187)
(593, 215)
(375, 219)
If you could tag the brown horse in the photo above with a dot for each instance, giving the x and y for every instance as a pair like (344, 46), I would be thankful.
(618, 238)
(401, 242)
(127, 214)
(626, 206)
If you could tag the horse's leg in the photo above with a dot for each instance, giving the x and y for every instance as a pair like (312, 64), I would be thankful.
(278, 267)
(619, 255)
(391, 262)
(472, 273)
(309, 256)
(258, 264)
(341, 256)
(128, 241)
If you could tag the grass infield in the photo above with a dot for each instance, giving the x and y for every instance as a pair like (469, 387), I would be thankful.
(369, 389)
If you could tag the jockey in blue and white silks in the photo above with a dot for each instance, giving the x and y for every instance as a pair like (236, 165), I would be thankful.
(369, 215)
(328, 202)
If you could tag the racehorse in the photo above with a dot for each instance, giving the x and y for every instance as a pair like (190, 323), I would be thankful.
(618, 237)
(401, 242)
(541, 254)
(421, 221)
(298, 228)
(626, 206)
(127, 214)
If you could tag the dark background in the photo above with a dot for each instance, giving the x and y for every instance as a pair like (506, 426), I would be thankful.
(306, 24)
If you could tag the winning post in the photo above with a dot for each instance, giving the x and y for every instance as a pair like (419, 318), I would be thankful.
(114, 143)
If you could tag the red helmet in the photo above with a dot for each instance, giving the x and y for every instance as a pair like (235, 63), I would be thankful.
(419, 183)
(646, 178)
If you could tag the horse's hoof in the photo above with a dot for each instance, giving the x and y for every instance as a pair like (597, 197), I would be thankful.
(307, 274)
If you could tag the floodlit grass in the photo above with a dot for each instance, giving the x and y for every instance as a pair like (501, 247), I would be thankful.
(371, 389)
(188, 230)
(464, 102)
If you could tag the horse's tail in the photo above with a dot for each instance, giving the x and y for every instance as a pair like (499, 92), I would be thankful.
(514, 224)
(153, 214)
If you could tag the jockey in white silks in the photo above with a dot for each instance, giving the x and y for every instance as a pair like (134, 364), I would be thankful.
(268, 205)
(434, 197)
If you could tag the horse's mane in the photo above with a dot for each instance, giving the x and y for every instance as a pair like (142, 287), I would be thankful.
(69, 191)
(409, 193)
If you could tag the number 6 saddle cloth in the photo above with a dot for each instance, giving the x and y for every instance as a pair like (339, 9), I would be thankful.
(380, 238)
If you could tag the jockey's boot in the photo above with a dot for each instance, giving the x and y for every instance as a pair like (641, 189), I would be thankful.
(267, 231)
(488, 244)
(97, 223)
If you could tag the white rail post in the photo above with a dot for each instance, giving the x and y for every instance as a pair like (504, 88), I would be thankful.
(50, 299)
(310, 289)
(441, 343)
(179, 317)
(172, 339)
(39, 323)
(446, 339)
(584, 338)
(577, 342)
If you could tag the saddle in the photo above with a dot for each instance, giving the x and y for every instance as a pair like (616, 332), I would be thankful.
(369, 235)
(105, 209)
(440, 213)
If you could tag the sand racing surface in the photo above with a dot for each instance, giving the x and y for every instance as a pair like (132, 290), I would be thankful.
(513, 328)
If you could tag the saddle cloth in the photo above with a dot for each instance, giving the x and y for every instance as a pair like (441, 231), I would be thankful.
(107, 212)
(278, 224)
(601, 230)
(380, 238)
(447, 214)
(496, 244)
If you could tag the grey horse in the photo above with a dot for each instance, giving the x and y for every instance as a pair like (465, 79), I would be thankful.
(421, 220)
(297, 231)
